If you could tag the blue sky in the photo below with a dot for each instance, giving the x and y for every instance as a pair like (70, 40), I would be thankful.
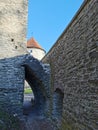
(47, 19)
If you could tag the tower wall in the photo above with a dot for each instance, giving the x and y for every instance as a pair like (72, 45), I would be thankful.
(13, 21)
(36, 52)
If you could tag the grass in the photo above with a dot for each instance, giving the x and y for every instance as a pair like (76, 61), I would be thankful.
(27, 91)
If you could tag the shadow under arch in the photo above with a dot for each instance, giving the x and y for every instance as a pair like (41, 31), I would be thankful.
(39, 92)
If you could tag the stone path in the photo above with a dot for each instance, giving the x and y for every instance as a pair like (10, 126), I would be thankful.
(38, 124)
(33, 120)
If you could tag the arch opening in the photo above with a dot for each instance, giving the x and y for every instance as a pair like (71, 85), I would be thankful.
(38, 102)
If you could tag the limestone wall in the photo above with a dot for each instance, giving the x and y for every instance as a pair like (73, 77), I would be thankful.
(13, 16)
(13, 21)
(74, 65)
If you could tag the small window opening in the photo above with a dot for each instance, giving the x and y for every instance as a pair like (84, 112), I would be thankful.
(12, 40)
(15, 47)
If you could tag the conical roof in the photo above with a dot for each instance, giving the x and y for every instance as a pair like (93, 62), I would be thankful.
(32, 43)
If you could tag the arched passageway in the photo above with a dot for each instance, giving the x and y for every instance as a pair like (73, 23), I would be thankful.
(36, 77)
(38, 91)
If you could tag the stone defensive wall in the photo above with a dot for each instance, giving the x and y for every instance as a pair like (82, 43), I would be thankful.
(74, 71)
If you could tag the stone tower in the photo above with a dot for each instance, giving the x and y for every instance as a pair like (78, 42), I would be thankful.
(35, 49)
(13, 21)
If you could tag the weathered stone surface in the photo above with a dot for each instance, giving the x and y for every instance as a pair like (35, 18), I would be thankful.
(13, 20)
(73, 95)
(74, 69)
(12, 76)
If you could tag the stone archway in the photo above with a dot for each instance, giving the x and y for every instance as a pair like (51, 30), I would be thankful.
(38, 79)
(38, 90)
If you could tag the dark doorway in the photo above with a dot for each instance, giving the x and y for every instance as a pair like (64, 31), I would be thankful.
(36, 106)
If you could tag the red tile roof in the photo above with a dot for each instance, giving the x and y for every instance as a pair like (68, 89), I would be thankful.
(32, 43)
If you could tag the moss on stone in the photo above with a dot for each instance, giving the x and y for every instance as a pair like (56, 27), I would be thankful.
(8, 122)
